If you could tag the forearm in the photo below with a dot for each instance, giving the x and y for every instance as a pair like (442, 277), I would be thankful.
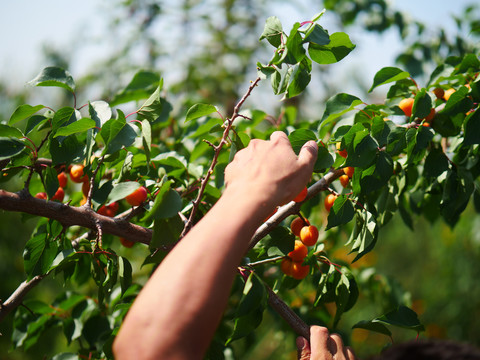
(192, 285)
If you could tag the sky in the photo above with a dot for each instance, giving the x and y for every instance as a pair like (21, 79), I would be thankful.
(28, 25)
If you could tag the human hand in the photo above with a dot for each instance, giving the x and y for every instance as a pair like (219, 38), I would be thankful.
(270, 170)
(323, 346)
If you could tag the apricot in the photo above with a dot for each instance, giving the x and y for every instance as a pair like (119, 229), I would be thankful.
(299, 252)
(286, 266)
(349, 170)
(41, 196)
(127, 243)
(297, 224)
(62, 179)
(406, 105)
(309, 235)
(85, 188)
(303, 194)
(439, 92)
(137, 197)
(448, 93)
(344, 180)
(342, 152)
(329, 200)
(299, 271)
(431, 115)
(59, 195)
(77, 175)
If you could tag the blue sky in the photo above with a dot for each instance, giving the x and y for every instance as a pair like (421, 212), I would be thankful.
(26, 25)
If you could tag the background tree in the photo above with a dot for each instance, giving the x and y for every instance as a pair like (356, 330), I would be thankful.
(400, 165)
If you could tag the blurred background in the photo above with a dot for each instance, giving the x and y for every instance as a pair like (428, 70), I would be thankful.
(207, 51)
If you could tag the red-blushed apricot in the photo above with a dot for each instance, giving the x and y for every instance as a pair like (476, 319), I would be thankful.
(114, 206)
(342, 152)
(297, 224)
(349, 170)
(309, 235)
(59, 195)
(299, 252)
(439, 92)
(299, 271)
(85, 188)
(406, 105)
(431, 115)
(62, 179)
(77, 175)
(137, 197)
(303, 194)
(448, 93)
(127, 243)
(108, 210)
(426, 124)
(41, 196)
(286, 266)
(329, 200)
(344, 180)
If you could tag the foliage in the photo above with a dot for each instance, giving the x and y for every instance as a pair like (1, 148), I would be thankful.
(406, 165)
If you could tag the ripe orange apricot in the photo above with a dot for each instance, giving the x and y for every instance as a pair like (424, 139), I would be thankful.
(349, 170)
(76, 173)
(426, 124)
(303, 194)
(286, 266)
(329, 200)
(299, 271)
(431, 115)
(85, 188)
(137, 197)
(297, 224)
(406, 105)
(108, 210)
(62, 179)
(59, 195)
(343, 153)
(309, 235)
(344, 180)
(299, 252)
(127, 243)
(448, 93)
(41, 196)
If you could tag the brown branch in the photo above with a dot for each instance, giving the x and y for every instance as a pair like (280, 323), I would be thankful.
(218, 148)
(17, 296)
(70, 215)
(293, 207)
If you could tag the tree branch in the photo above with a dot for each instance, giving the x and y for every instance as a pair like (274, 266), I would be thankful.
(70, 215)
(17, 296)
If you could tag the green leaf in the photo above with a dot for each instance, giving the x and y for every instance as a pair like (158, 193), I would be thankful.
(154, 108)
(294, 45)
(402, 317)
(10, 147)
(457, 190)
(436, 163)
(387, 75)
(422, 104)
(68, 151)
(364, 235)
(342, 212)
(254, 296)
(100, 112)
(317, 35)
(324, 159)
(140, 87)
(272, 31)
(54, 76)
(279, 241)
(245, 325)
(147, 139)
(166, 232)
(62, 117)
(39, 253)
(338, 47)
(299, 137)
(199, 110)
(112, 127)
(121, 190)
(417, 143)
(10, 132)
(24, 111)
(472, 128)
(167, 204)
(51, 181)
(78, 126)
(372, 326)
(338, 105)
(299, 78)
(33, 122)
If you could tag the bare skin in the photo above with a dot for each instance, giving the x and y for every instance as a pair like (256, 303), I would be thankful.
(323, 346)
(178, 310)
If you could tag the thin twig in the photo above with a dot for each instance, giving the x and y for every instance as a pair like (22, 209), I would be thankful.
(228, 124)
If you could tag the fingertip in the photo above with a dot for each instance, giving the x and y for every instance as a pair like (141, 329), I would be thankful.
(309, 152)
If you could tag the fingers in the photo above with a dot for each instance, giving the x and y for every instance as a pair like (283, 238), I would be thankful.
(325, 346)
(308, 154)
(303, 349)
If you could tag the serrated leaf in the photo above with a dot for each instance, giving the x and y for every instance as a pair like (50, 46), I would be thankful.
(24, 111)
(78, 126)
(402, 317)
(338, 105)
(199, 110)
(342, 212)
(153, 108)
(338, 47)
(272, 31)
(54, 76)
(387, 75)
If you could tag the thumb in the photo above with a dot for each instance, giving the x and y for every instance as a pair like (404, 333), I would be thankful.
(303, 349)
(308, 154)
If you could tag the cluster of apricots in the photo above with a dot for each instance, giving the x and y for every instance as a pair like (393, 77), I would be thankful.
(77, 175)
(406, 106)
(307, 234)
